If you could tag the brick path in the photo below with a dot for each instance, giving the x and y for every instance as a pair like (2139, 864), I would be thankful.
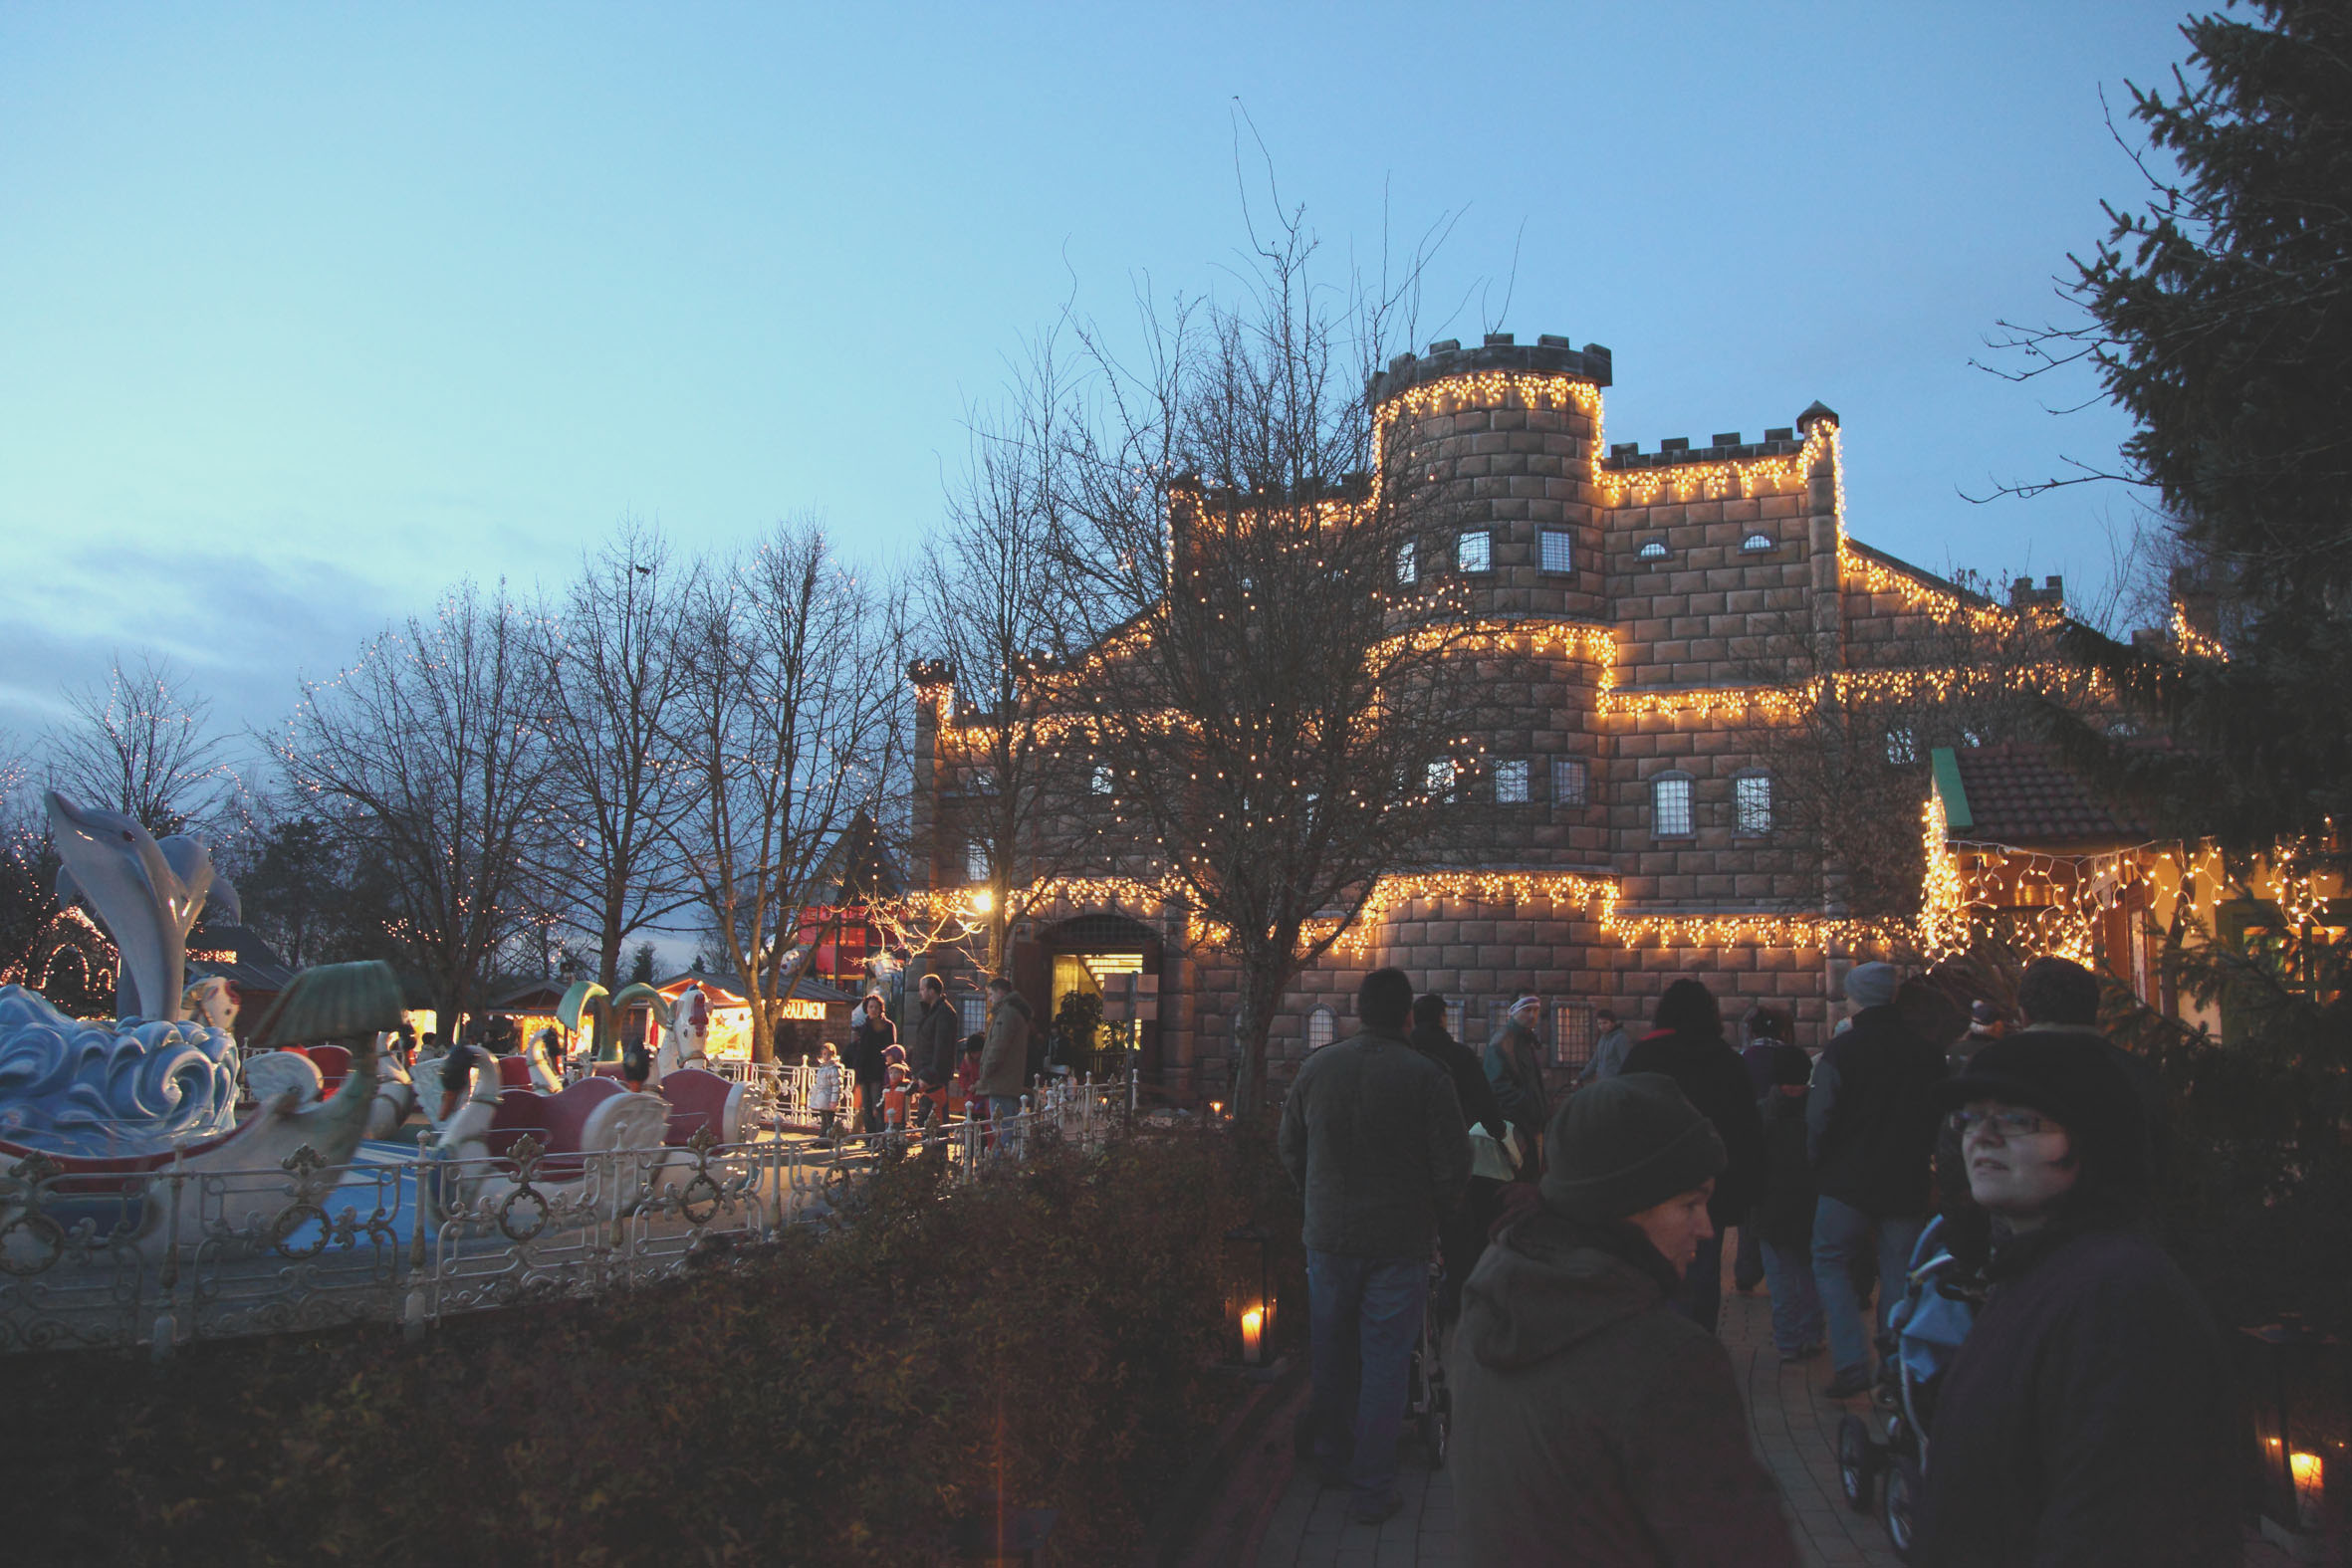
(1794, 1429)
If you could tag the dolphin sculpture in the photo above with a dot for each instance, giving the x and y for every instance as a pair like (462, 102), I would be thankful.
(149, 892)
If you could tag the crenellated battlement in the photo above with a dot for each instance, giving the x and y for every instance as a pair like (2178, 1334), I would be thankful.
(1546, 355)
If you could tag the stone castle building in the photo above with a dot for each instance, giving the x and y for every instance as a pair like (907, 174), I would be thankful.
(1636, 826)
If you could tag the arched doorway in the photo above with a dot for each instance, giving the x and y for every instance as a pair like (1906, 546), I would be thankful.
(1110, 956)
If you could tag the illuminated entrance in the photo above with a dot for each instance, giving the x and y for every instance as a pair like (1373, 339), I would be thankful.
(1107, 962)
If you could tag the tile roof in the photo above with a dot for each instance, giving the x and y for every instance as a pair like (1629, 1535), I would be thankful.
(2022, 794)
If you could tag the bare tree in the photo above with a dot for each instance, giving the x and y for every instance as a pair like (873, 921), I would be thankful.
(1280, 716)
(996, 611)
(142, 744)
(790, 670)
(609, 675)
(430, 746)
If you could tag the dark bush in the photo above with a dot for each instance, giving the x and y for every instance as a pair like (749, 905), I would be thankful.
(1044, 1336)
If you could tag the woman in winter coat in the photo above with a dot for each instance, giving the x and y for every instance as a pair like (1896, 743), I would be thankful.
(1688, 1047)
(1592, 1424)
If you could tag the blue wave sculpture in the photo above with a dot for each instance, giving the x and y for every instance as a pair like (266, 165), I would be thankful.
(73, 1088)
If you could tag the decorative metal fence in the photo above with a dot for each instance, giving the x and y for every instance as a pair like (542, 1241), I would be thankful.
(176, 1254)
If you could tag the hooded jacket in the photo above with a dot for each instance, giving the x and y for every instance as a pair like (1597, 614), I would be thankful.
(1591, 1423)
(1372, 1136)
(1004, 1060)
(1470, 1079)
(1713, 1079)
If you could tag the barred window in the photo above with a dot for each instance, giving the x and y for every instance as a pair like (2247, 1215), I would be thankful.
(1752, 799)
(1568, 781)
(1457, 1017)
(976, 861)
(1560, 554)
(971, 1014)
(1104, 781)
(1474, 550)
(1321, 1027)
(1572, 1034)
(1902, 745)
(1511, 782)
(1670, 806)
(1655, 550)
(1408, 564)
(1756, 543)
(1440, 777)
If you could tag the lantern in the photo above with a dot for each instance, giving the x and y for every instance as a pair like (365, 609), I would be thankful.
(2295, 1391)
(1248, 1296)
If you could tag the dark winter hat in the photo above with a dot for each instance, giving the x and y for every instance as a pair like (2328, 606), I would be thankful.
(1871, 984)
(1689, 1008)
(1790, 1064)
(1385, 999)
(1626, 1144)
(2072, 1079)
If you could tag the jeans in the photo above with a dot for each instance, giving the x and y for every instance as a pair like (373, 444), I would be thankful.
(1701, 1296)
(1840, 1234)
(1365, 1320)
(1002, 1108)
(1796, 1301)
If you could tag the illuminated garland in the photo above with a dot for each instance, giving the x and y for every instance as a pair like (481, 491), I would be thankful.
(1712, 479)
(1940, 605)
(1774, 704)
(2193, 642)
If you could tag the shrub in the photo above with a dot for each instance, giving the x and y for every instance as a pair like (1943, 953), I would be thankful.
(1043, 1336)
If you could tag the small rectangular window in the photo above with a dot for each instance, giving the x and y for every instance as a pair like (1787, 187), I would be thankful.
(971, 1014)
(1568, 781)
(1104, 781)
(1751, 796)
(1511, 782)
(1559, 553)
(1408, 564)
(1440, 777)
(1902, 746)
(1669, 807)
(1474, 550)
(1457, 1017)
(1571, 1034)
(976, 861)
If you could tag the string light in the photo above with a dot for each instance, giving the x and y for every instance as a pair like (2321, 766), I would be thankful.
(2195, 643)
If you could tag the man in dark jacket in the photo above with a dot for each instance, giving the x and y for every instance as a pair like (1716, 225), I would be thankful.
(934, 1055)
(1461, 1230)
(1870, 1122)
(1689, 1048)
(1514, 1070)
(2086, 1419)
(1592, 1425)
(1372, 1135)
(1784, 1217)
(874, 1034)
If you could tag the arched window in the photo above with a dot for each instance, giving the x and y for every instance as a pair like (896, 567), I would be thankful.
(1321, 1025)
(1653, 549)
(1669, 806)
(1756, 541)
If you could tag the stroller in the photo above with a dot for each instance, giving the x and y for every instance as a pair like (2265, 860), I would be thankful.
(1923, 1331)
(1428, 1402)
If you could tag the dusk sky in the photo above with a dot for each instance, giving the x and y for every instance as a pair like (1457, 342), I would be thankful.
(307, 311)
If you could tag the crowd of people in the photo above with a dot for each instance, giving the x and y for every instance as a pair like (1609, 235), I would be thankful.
(2084, 1419)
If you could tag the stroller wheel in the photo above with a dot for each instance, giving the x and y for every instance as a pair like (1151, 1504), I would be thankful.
(1902, 1504)
(1857, 1464)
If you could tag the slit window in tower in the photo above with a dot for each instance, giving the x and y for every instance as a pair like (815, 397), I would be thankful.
(1670, 806)
(1560, 554)
(1408, 564)
(1568, 780)
(1474, 550)
(1511, 782)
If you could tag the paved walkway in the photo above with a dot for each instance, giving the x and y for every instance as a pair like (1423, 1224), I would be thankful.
(1795, 1432)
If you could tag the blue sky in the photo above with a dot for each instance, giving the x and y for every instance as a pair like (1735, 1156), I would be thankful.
(307, 311)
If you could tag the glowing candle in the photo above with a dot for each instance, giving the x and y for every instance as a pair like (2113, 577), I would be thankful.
(2310, 1487)
(1253, 1346)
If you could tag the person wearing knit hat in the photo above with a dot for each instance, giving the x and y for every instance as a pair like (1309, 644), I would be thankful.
(1514, 1061)
(1870, 1128)
(2086, 1417)
(1591, 1422)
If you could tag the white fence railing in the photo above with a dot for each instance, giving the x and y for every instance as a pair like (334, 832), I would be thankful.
(177, 1255)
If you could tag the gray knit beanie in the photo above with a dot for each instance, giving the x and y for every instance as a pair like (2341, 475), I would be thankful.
(1872, 984)
(1626, 1144)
